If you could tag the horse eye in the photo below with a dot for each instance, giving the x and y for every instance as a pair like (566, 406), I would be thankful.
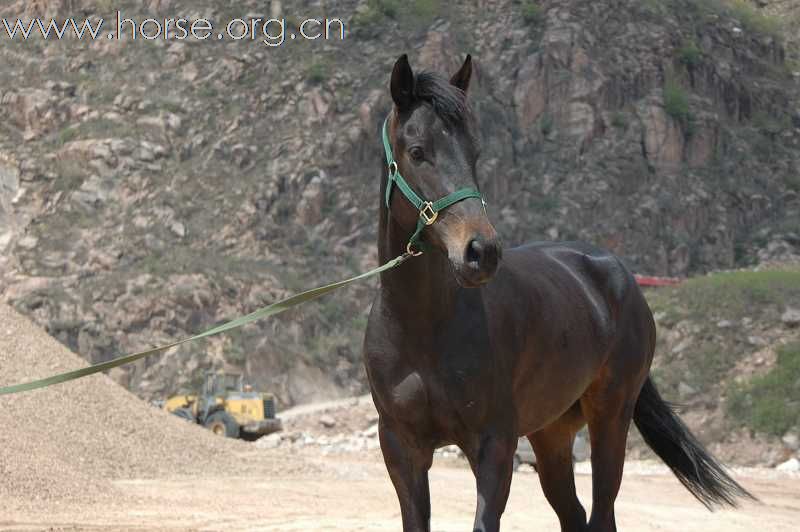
(416, 154)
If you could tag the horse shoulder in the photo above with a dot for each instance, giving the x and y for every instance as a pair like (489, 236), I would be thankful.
(397, 388)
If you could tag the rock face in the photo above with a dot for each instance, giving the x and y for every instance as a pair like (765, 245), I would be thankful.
(212, 178)
(9, 190)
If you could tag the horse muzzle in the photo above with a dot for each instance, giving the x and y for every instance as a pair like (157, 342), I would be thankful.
(479, 262)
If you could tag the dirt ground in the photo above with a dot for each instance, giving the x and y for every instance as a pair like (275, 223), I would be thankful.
(88, 455)
(348, 493)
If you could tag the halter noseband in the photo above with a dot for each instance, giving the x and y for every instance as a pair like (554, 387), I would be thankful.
(428, 210)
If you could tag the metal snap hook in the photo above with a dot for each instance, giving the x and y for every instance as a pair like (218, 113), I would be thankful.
(411, 251)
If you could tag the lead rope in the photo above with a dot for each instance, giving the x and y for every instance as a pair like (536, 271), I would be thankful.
(270, 310)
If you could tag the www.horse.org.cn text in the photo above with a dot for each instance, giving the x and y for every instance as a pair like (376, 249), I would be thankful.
(270, 32)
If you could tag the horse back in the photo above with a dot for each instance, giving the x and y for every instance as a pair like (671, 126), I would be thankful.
(585, 267)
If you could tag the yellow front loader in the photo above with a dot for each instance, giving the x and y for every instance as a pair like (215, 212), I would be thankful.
(228, 407)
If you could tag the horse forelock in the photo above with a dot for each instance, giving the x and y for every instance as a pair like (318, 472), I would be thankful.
(448, 101)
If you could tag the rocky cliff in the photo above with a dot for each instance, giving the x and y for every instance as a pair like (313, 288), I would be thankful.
(150, 189)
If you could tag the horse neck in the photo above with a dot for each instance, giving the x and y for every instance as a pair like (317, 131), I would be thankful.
(423, 289)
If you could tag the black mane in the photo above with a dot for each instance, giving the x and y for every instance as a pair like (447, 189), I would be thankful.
(448, 102)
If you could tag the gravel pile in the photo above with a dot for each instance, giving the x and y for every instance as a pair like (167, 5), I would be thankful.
(68, 442)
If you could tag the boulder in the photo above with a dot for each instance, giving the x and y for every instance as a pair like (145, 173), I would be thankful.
(792, 465)
(309, 209)
(685, 391)
(270, 441)
(581, 449)
(327, 421)
(757, 341)
(791, 440)
(791, 318)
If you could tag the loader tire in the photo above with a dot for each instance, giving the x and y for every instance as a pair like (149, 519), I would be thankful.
(222, 424)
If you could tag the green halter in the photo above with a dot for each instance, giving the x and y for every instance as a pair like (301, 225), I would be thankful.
(428, 210)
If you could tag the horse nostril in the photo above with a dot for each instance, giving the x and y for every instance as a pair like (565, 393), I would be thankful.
(491, 257)
(474, 252)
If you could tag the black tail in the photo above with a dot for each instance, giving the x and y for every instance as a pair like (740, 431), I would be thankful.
(671, 440)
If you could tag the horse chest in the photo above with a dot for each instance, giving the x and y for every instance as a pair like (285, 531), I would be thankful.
(439, 381)
(434, 399)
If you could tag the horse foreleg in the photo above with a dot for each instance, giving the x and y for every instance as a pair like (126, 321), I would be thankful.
(408, 467)
(492, 461)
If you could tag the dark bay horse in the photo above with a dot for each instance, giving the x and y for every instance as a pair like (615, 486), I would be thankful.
(472, 345)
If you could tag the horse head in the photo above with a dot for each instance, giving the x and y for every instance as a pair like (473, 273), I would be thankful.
(431, 138)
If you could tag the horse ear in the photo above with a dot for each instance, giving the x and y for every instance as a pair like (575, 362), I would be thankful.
(461, 78)
(402, 84)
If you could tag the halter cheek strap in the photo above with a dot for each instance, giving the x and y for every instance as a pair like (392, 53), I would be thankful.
(428, 210)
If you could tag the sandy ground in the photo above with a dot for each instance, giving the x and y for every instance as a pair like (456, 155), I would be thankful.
(345, 493)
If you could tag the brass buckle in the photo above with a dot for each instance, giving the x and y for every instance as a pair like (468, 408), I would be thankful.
(427, 213)
(411, 252)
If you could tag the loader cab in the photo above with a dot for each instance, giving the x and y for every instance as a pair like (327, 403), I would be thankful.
(223, 383)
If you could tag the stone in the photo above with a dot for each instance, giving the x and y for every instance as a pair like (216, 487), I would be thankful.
(174, 122)
(580, 449)
(309, 209)
(580, 122)
(724, 324)
(178, 228)
(792, 465)
(92, 192)
(757, 341)
(153, 243)
(327, 421)
(682, 346)
(145, 153)
(292, 436)
(275, 9)
(372, 431)
(190, 72)
(270, 441)
(28, 242)
(450, 451)
(685, 391)
(663, 138)
(791, 440)
(791, 318)
(530, 94)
